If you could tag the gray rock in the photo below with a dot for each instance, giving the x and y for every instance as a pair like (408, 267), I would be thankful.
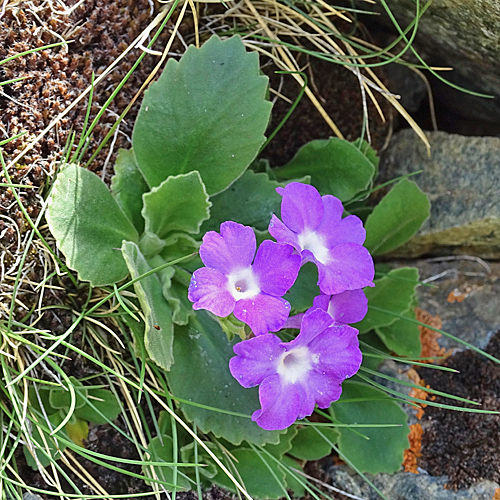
(463, 35)
(474, 319)
(462, 179)
(476, 284)
(406, 486)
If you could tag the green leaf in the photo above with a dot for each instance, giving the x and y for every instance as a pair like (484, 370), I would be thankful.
(162, 450)
(402, 337)
(394, 293)
(201, 375)
(158, 334)
(371, 343)
(261, 481)
(89, 226)
(206, 112)
(128, 186)
(210, 469)
(369, 152)
(396, 218)
(251, 201)
(180, 203)
(294, 481)
(175, 282)
(78, 431)
(285, 444)
(176, 296)
(363, 404)
(310, 445)
(150, 244)
(99, 401)
(304, 289)
(60, 397)
(46, 442)
(336, 167)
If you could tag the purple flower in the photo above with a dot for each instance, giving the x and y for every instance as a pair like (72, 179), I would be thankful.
(295, 376)
(313, 224)
(345, 308)
(231, 283)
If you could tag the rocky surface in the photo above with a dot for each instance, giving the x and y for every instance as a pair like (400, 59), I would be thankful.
(465, 293)
(463, 35)
(406, 486)
(462, 179)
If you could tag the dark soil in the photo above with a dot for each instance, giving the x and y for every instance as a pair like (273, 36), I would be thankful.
(338, 91)
(464, 446)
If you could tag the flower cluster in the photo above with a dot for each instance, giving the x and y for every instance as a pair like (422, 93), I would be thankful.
(250, 283)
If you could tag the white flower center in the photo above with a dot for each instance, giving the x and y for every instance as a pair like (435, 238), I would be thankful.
(242, 284)
(309, 240)
(295, 364)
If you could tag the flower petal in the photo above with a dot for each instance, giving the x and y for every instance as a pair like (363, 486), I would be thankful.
(314, 323)
(350, 267)
(263, 313)
(208, 290)
(350, 230)
(306, 398)
(321, 302)
(338, 350)
(348, 307)
(301, 207)
(280, 404)
(332, 217)
(256, 359)
(232, 249)
(324, 389)
(282, 234)
(276, 268)
(294, 321)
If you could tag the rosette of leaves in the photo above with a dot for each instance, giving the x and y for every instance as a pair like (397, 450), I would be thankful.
(91, 405)
(193, 166)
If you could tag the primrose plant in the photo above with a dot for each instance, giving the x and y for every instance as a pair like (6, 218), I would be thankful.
(188, 222)
(293, 376)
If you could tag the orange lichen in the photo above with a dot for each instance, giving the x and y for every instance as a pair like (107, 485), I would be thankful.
(429, 337)
(456, 295)
(412, 454)
(416, 392)
(496, 496)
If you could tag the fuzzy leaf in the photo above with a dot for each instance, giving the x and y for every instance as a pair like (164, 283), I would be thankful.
(179, 203)
(336, 167)
(394, 293)
(251, 201)
(158, 334)
(396, 218)
(201, 375)
(363, 404)
(206, 112)
(128, 186)
(89, 226)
